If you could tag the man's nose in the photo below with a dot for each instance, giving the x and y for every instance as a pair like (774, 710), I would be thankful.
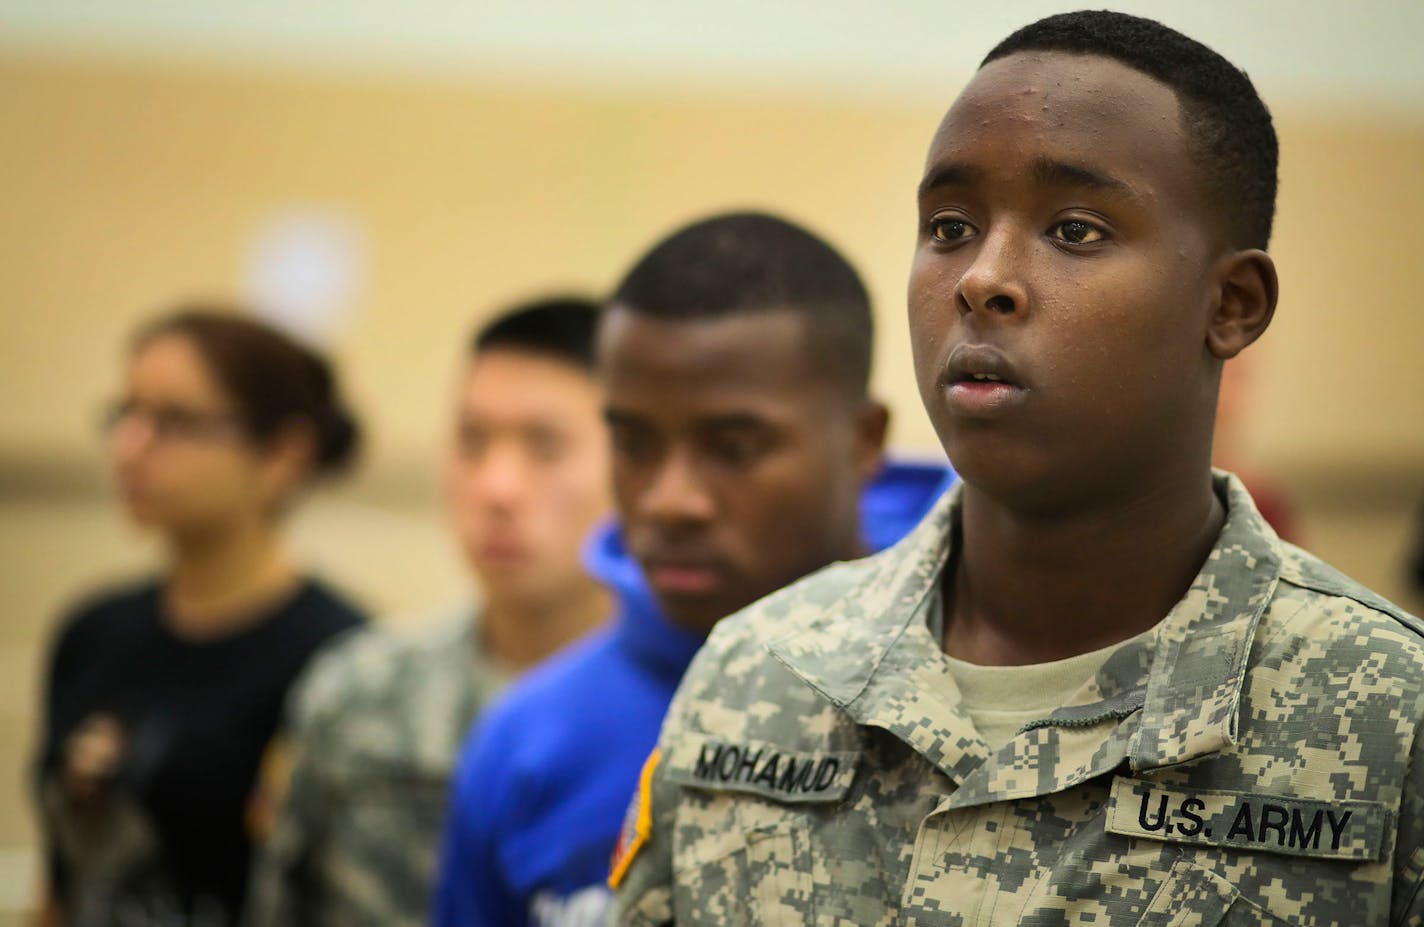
(993, 284)
(503, 475)
(677, 492)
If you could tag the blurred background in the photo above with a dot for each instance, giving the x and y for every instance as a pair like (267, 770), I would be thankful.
(381, 176)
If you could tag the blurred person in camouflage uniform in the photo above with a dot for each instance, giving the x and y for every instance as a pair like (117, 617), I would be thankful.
(1093, 687)
(377, 722)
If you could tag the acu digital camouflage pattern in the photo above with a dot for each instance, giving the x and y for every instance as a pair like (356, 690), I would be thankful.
(377, 727)
(1255, 760)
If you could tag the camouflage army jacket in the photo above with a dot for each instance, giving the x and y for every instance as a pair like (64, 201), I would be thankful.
(377, 724)
(1255, 760)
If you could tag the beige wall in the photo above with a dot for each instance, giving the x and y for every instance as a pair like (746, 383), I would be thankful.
(124, 187)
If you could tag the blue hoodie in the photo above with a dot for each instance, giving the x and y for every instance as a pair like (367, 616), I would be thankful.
(543, 783)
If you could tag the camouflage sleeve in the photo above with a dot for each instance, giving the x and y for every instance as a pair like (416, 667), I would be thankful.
(282, 891)
(642, 872)
(642, 866)
(1408, 901)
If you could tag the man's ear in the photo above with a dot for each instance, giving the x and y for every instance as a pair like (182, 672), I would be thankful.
(872, 427)
(1245, 303)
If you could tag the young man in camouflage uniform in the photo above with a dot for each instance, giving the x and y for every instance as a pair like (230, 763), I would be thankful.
(1093, 687)
(378, 721)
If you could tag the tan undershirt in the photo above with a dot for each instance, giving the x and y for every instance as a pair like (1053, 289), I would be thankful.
(1000, 700)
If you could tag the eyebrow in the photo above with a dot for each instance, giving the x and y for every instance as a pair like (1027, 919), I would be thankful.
(725, 422)
(1074, 176)
(732, 421)
(1046, 171)
(949, 175)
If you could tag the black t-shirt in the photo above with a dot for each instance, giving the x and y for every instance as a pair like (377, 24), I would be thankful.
(171, 846)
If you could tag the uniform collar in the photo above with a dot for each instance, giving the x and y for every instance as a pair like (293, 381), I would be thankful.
(870, 653)
(1193, 697)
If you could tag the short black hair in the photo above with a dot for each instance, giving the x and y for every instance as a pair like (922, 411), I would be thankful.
(751, 262)
(561, 327)
(1229, 126)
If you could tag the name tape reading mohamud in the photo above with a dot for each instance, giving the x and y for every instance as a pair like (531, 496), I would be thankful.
(1247, 821)
(763, 769)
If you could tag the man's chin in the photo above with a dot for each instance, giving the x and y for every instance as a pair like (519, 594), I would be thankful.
(695, 614)
(520, 587)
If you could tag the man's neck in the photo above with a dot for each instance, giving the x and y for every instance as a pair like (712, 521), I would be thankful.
(520, 634)
(1031, 589)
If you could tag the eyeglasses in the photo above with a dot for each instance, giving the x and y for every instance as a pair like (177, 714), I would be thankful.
(169, 423)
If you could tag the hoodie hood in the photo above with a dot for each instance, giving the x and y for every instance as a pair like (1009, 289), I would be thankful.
(891, 505)
(896, 500)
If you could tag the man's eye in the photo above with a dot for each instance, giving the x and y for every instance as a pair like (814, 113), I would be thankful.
(546, 448)
(473, 442)
(950, 230)
(735, 451)
(1077, 232)
(631, 445)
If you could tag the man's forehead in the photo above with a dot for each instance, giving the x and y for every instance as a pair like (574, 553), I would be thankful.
(702, 415)
(1056, 88)
(518, 386)
(688, 404)
(525, 417)
(753, 322)
(516, 361)
(752, 351)
(734, 370)
(1087, 120)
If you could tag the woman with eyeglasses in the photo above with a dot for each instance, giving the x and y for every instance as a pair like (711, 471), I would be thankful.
(165, 698)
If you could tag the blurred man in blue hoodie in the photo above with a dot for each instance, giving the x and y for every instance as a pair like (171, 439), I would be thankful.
(747, 453)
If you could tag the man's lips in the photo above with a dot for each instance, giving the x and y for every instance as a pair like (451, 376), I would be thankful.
(502, 552)
(674, 578)
(980, 380)
(979, 363)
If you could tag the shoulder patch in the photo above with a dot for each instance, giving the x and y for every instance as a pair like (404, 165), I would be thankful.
(637, 823)
(1247, 821)
(760, 768)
